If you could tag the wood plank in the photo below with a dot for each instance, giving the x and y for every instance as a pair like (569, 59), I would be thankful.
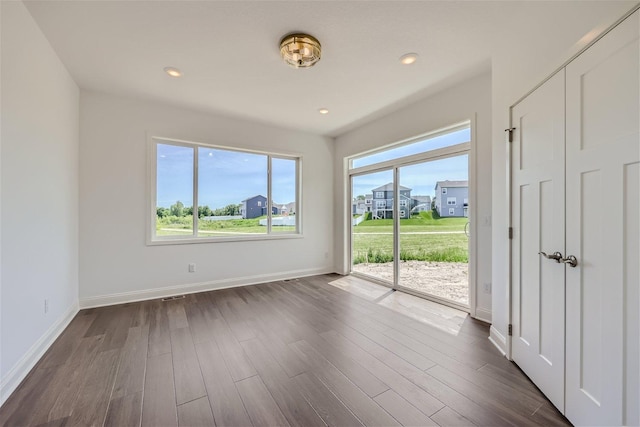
(402, 386)
(283, 389)
(91, 406)
(176, 315)
(195, 414)
(159, 402)
(125, 411)
(225, 401)
(159, 332)
(367, 410)
(236, 360)
(448, 417)
(401, 410)
(186, 369)
(325, 403)
(133, 360)
(261, 407)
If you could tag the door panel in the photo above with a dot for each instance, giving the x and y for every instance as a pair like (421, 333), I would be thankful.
(602, 148)
(538, 212)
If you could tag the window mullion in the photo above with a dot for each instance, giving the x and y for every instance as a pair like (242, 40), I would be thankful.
(269, 198)
(194, 209)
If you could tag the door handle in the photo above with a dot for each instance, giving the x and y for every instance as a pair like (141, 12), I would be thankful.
(571, 260)
(556, 256)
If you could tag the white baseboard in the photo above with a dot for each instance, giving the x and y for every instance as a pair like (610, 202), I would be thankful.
(14, 377)
(498, 340)
(191, 288)
(483, 315)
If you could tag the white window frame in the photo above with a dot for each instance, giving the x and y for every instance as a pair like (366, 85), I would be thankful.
(452, 201)
(402, 213)
(153, 239)
(444, 190)
(381, 204)
(403, 203)
(379, 195)
(452, 211)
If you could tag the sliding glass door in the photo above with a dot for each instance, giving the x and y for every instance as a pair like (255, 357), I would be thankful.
(410, 216)
(434, 249)
(372, 225)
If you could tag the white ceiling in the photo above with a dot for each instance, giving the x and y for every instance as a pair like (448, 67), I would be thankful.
(229, 50)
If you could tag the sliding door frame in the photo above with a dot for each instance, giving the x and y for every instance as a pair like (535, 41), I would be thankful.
(394, 165)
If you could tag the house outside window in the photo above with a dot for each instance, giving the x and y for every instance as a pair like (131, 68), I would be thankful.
(452, 211)
(403, 203)
(451, 201)
(379, 194)
(444, 191)
(381, 204)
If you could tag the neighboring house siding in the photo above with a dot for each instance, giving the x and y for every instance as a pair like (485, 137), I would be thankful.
(382, 202)
(451, 199)
(254, 207)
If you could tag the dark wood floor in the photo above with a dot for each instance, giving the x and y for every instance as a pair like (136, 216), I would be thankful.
(285, 353)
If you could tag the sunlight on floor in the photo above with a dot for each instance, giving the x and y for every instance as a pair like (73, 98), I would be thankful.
(437, 315)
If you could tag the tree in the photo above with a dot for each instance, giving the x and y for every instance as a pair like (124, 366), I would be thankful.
(177, 209)
(162, 212)
(204, 211)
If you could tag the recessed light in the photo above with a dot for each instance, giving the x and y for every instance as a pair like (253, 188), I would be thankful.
(323, 111)
(173, 72)
(408, 58)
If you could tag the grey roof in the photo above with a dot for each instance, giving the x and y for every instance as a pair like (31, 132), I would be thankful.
(422, 198)
(389, 187)
(450, 184)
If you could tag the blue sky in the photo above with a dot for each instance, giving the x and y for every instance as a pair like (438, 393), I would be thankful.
(228, 177)
(224, 177)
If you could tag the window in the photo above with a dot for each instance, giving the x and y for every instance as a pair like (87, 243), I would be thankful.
(451, 201)
(402, 213)
(379, 194)
(452, 211)
(367, 201)
(403, 203)
(232, 193)
(444, 191)
(381, 204)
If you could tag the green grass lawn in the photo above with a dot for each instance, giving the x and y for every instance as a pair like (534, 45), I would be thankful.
(421, 247)
(183, 226)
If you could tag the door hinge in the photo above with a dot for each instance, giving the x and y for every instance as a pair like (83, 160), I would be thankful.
(510, 233)
(510, 329)
(510, 134)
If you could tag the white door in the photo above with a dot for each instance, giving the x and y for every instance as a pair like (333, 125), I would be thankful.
(538, 213)
(603, 144)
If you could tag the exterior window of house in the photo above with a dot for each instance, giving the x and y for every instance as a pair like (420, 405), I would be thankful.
(451, 200)
(367, 201)
(381, 204)
(403, 203)
(444, 191)
(402, 213)
(379, 194)
(466, 202)
(204, 193)
(452, 211)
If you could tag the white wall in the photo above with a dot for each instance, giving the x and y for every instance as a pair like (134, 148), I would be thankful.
(39, 194)
(468, 100)
(514, 73)
(114, 259)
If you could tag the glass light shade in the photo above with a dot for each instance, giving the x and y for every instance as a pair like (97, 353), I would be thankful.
(300, 50)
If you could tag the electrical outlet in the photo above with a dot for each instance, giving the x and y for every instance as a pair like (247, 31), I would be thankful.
(487, 288)
(46, 306)
(192, 267)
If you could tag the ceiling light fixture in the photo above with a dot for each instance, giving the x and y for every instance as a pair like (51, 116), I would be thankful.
(408, 58)
(323, 111)
(173, 72)
(300, 50)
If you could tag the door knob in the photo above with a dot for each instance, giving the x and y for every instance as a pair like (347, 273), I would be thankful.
(571, 260)
(556, 256)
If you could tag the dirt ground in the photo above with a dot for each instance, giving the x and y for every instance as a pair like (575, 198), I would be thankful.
(448, 280)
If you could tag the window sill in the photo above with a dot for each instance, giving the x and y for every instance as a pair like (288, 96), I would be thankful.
(195, 241)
